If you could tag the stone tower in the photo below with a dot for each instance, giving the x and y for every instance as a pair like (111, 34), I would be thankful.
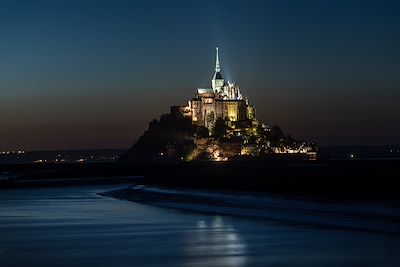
(217, 81)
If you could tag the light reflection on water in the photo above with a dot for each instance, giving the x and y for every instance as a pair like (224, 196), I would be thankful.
(217, 242)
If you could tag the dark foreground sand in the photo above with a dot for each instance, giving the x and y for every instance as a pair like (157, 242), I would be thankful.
(348, 179)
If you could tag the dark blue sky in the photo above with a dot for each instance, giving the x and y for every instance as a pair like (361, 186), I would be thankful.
(91, 74)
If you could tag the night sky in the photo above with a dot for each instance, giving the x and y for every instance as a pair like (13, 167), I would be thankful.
(91, 74)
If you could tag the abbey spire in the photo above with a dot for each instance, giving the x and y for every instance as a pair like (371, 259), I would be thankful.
(217, 82)
(217, 65)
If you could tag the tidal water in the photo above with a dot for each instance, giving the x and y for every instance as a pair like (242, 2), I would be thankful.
(75, 227)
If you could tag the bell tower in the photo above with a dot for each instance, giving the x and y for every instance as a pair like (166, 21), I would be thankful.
(217, 82)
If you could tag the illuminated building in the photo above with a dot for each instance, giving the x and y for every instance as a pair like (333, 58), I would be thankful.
(223, 100)
(218, 124)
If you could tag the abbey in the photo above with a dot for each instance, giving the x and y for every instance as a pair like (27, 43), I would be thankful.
(222, 101)
(218, 124)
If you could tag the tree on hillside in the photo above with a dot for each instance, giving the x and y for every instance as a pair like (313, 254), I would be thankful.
(277, 136)
(220, 129)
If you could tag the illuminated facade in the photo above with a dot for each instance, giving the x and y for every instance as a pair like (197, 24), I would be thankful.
(223, 100)
(195, 132)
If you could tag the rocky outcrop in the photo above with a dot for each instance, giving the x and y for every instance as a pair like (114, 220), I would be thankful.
(167, 138)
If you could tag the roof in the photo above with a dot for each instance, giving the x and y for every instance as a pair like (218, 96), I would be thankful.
(205, 91)
(218, 75)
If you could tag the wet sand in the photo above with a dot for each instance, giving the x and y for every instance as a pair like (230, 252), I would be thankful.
(73, 226)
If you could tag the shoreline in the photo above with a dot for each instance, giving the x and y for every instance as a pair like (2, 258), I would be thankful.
(324, 180)
(370, 217)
